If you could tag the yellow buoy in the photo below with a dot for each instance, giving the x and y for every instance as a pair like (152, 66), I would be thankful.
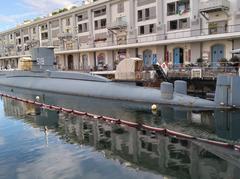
(37, 98)
(154, 107)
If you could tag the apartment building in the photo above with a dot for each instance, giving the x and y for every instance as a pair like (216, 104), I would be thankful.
(99, 34)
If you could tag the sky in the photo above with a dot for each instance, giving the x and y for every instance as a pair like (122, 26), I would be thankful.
(14, 12)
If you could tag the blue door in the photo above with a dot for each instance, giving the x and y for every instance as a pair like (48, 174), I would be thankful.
(178, 56)
(147, 58)
(217, 54)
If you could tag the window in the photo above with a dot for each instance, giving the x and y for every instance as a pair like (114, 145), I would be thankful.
(171, 9)
(147, 29)
(147, 14)
(141, 30)
(68, 22)
(152, 28)
(19, 41)
(34, 30)
(179, 24)
(103, 23)
(44, 27)
(26, 48)
(82, 28)
(174, 25)
(218, 27)
(96, 25)
(178, 7)
(100, 24)
(44, 36)
(183, 6)
(183, 24)
(11, 36)
(80, 18)
(140, 16)
(25, 39)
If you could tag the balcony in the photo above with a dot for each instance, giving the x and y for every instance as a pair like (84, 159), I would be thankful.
(118, 24)
(214, 5)
(65, 35)
(10, 46)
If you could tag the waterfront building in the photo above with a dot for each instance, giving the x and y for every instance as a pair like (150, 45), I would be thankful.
(99, 34)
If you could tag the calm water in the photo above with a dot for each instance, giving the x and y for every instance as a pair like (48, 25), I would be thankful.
(77, 147)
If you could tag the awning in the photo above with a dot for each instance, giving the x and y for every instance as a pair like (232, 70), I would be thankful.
(236, 51)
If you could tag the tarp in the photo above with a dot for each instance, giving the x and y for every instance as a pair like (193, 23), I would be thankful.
(25, 63)
(126, 69)
(236, 51)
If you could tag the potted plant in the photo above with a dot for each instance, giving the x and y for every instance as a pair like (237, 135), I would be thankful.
(223, 62)
(200, 62)
(235, 61)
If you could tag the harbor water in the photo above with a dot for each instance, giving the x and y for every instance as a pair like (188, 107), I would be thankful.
(39, 143)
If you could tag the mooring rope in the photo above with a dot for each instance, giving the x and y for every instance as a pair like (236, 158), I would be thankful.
(163, 131)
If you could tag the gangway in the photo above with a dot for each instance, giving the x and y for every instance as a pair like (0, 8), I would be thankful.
(160, 72)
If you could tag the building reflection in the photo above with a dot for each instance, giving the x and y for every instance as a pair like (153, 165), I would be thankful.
(168, 156)
(141, 149)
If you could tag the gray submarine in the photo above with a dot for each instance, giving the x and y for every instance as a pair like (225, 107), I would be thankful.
(44, 77)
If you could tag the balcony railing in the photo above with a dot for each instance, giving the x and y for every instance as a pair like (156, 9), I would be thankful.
(161, 37)
(214, 5)
(118, 24)
(183, 34)
(65, 35)
(207, 72)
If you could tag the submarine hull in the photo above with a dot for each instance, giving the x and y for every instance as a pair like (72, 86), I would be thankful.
(94, 86)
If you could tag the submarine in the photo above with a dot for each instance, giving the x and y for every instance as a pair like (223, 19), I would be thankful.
(42, 76)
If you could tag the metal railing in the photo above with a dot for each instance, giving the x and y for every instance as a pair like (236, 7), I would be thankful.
(174, 35)
(118, 23)
(208, 71)
(165, 36)
(212, 4)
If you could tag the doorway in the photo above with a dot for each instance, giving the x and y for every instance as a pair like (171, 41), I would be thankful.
(178, 56)
(147, 58)
(217, 54)
(70, 62)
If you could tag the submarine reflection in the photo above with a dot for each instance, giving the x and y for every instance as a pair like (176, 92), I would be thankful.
(139, 149)
(217, 124)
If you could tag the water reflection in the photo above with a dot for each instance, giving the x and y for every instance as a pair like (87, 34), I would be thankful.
(143, 150)
(217, 124)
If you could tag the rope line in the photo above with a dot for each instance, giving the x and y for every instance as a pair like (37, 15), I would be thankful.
(163, 131)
